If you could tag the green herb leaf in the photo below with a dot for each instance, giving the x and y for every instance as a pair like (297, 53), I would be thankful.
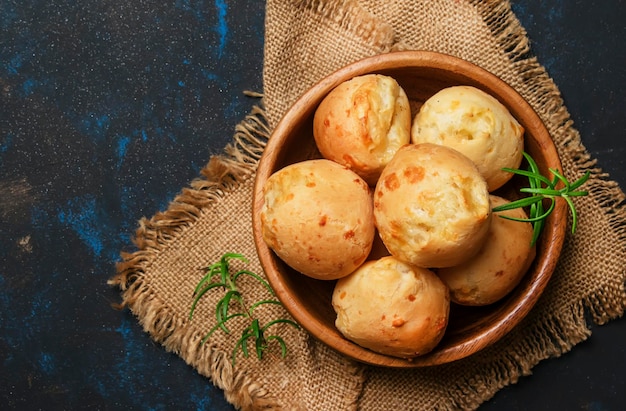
(218, 275)
(542, 188)
(281, 342)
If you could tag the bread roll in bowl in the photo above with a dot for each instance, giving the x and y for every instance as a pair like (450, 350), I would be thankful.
(431, 206)
(499, 265)
(392, 307)
(476, 124)
(362, 123)
(318, 218)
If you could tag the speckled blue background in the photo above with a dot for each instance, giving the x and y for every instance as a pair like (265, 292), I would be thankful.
(109, 108)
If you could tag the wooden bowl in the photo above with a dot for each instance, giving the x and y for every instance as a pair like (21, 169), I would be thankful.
(470, 329)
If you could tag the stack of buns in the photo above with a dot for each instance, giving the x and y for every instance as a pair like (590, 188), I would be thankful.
(425, 184)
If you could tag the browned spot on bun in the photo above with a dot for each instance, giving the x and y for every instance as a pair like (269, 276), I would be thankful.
(441, 323)
(311, 184)
(348, 160)
(391, 182)
(323, 220)
(411, 297)
(314, 258)
(343, 295)
(348, 234)
(414, 174)
(395, 225)
(362, 183)
(398, 322)
(500, 273)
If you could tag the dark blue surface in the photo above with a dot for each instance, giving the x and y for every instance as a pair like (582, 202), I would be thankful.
(109, 108)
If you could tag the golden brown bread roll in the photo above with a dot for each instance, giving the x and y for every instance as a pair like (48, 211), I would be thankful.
(500, 264)
(392, 307)
(362, 123)
(476, 124)
(431, 206)
(317, 218)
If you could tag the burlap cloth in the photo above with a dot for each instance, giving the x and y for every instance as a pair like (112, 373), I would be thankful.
(305, 41)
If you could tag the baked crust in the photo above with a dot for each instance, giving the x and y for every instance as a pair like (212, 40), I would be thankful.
(392, 307)
(431, 206)
(362, 123)
(318, 218)
(477, 125)
(500, 264)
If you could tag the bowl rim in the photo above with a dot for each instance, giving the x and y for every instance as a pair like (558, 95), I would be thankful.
(554, 230)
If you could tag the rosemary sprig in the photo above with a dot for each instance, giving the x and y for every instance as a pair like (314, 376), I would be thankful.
(218, 275)
(542, 188)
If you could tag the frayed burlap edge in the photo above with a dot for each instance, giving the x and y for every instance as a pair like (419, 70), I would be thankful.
(351, 17)
(223, 174)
